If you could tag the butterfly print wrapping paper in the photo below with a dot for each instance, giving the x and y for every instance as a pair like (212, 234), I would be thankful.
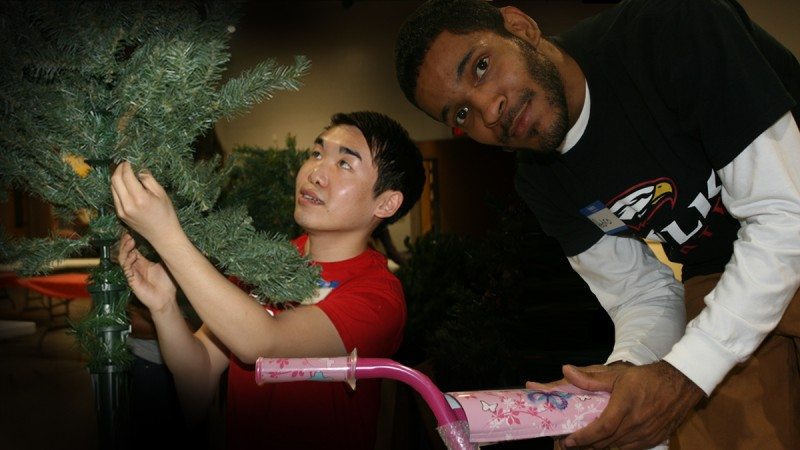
(506, 415)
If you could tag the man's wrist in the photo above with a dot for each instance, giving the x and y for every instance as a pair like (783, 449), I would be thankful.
(678, 378)
(168, 308)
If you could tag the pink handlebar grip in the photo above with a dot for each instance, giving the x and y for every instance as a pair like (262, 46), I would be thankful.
(280, 370)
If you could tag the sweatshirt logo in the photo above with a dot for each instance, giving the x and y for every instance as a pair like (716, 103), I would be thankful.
(639, 204)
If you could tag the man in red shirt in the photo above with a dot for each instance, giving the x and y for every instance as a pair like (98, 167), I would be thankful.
(363, 172)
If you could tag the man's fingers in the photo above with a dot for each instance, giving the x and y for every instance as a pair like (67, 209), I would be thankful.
(118, 189)
(127, 241)
(125, 245)
(590, 381)
(125, 188)
(150, 183)
(118, 205)
(600, 433)
(603, 432)
(132, 192)
(127, 182)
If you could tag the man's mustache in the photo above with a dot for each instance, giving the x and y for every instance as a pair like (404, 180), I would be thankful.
(508, 120)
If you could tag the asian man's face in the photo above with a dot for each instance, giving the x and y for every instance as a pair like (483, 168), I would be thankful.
(334, 187)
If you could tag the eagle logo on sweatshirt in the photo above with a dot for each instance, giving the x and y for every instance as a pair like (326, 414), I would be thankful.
(637, 205)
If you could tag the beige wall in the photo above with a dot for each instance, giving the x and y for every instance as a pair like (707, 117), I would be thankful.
(351, 52)
(779, 18)
(351, 68)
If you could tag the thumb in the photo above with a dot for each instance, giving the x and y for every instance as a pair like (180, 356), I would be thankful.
(150, 183)
(589, 381)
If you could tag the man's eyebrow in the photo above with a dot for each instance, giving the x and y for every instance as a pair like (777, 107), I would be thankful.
(445, 113)
(463, 64)
(459, 73)
(342, 149)
(350, 151)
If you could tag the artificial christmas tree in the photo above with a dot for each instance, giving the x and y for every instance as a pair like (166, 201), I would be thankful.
(96, 83)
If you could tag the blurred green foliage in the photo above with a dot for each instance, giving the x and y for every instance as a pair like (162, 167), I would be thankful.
(264, 181)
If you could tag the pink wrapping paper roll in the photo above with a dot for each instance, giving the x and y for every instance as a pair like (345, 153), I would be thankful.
(505, 415)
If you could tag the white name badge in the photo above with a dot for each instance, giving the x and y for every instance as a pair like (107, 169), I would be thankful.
(604, 218)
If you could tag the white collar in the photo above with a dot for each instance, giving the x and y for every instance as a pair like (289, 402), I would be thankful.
(576, 132)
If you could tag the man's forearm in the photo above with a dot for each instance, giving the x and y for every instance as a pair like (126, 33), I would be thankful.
(188, 361)
(640, 294)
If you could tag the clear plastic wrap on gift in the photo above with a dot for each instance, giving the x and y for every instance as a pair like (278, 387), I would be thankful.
(278, 370)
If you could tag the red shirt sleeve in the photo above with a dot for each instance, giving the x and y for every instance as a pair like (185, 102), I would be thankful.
(369, 313)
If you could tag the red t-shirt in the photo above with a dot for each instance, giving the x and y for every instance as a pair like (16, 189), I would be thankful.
(368, 309)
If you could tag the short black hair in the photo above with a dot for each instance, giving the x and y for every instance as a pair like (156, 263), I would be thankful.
(427, 22)
(395, 155)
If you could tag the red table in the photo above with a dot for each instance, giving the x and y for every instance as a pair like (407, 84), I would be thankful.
(61, 285)
(56, 290)
(12, 328)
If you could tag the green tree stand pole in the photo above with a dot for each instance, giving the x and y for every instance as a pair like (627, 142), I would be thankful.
(110, 377)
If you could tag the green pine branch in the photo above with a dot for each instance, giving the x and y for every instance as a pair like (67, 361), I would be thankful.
(275, 271)
(259, 83)
(36, 256)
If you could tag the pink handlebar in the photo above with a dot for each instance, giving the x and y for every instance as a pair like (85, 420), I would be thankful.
(348, 369)
(453, 429)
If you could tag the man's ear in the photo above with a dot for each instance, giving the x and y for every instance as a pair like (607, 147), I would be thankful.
(388, 204)
(521, 25)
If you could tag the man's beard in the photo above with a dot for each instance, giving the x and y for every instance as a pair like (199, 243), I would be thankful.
(544, 72)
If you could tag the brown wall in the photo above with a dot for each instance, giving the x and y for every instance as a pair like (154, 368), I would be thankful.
(470, 179)
(23, 216)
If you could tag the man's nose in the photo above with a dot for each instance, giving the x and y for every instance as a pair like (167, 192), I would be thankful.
(318, 175)
(489, 104)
